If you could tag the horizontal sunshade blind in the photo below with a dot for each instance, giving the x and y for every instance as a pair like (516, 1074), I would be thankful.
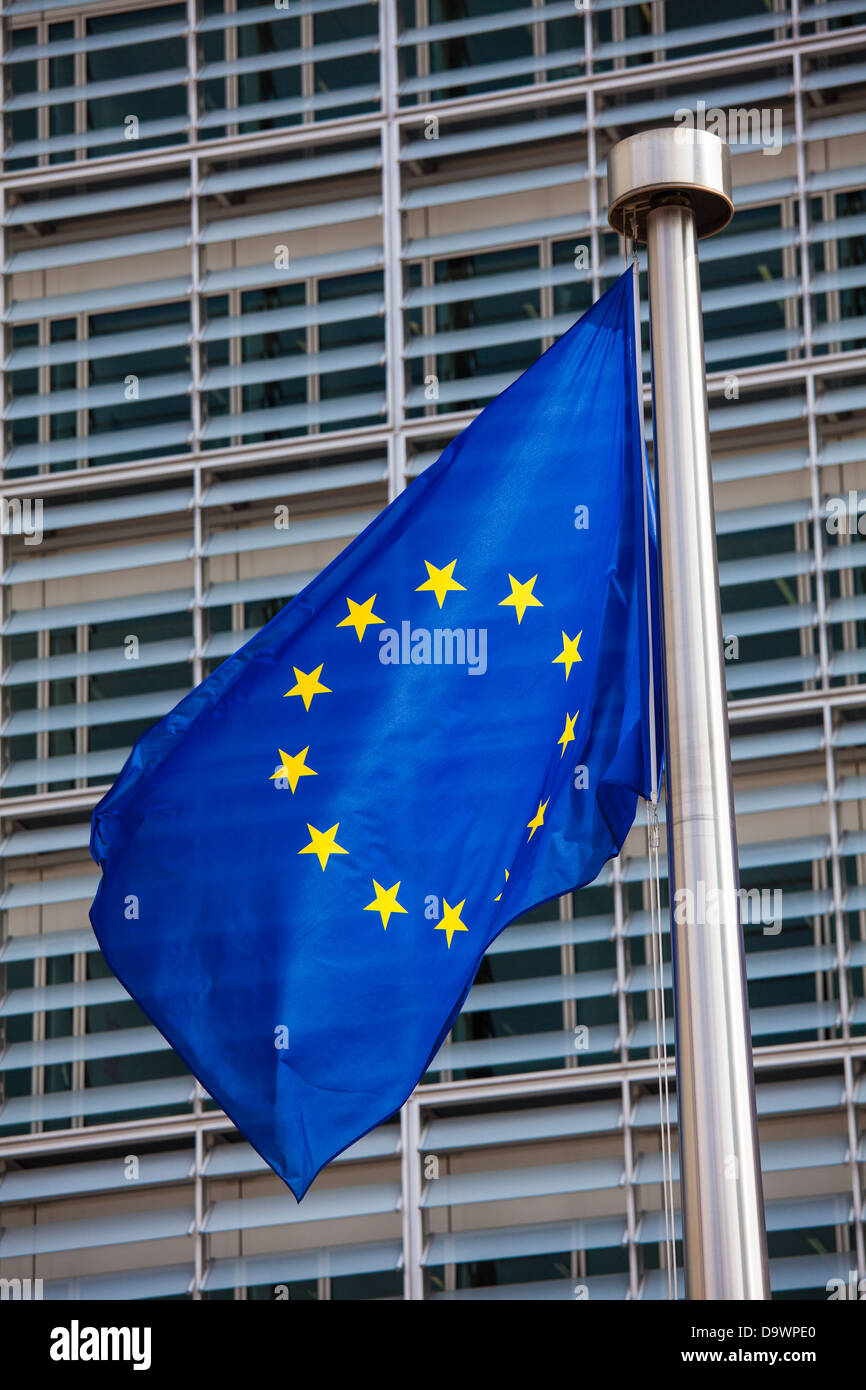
(269, 47)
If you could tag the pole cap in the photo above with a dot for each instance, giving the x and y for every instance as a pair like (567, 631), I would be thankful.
(675, 159)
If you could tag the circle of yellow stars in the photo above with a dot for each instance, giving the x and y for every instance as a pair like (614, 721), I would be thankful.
(293, 767)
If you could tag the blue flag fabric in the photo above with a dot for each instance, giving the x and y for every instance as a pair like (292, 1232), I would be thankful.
(305, 861)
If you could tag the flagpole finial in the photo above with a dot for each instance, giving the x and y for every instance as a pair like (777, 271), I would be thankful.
(660, 164)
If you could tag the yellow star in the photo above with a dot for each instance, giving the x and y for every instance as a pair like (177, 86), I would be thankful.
(385, 902)
(569, 654)
(451, 920)
(521, 597)
(499, 895)
(568, 732)
(294, 768)
(440, 581)
(537, 820)
(361, 615)
(323, 844)
(308, 685)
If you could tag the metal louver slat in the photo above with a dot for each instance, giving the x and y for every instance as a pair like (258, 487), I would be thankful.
(38, 894)
(487, 23)
(48, 1052)
(540, 935)
(757, 675)
(291, 220)
(508, 1185)
(479, 238)
(292, 171)
(483, 286)
(98, 1100)
(98, 610)
(733, 95)
(302, 364)
(310, 480)
(94, 139)
(129, 442)
(295, 416)
(302, 267)
(330, 1204)
(229, 1160)
(817, 80)
(463, 1247)
(66, 1179)
(547, 989)
(93, 714)
(46, 998)
(330, 1262)
(105, 561)
(693, 35)
(288, 58)
(759, 518)
(151, 390)
(94, 43)
(514, 1127)
(840, 328)
(531, 131)
(91, 301)
(95, 662)
(607, 1286)
(102, 249)
(269, 14)
(368, 94)
(339, 526)
(830, 9)
(166, 1282)
(463, 340)
(114, 200)
(89, 1235)
(163, 503)
(27, 772)
(44, 841)
(494, 72)
(93, 91)
(248, 591)
(93, 349)
(529, 1047)
(741, 466)
(493, 186)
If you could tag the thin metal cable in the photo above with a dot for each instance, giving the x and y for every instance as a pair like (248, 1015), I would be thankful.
(653, 849)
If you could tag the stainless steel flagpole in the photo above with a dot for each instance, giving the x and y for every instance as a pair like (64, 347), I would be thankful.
(668, 188)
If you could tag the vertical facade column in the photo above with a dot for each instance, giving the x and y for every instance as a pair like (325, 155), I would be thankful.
(198, 1233)
(195, 344)
(413, 1230)
(392, 246)
(592, 156)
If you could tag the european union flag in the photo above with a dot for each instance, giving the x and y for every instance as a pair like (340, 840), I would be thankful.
(305, 861)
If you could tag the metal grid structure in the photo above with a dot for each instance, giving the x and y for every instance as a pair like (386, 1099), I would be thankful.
(260, 263)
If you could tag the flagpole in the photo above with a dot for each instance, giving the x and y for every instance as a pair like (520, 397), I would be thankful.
(667, 188)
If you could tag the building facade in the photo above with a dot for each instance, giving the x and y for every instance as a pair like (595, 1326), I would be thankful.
(259, 264)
